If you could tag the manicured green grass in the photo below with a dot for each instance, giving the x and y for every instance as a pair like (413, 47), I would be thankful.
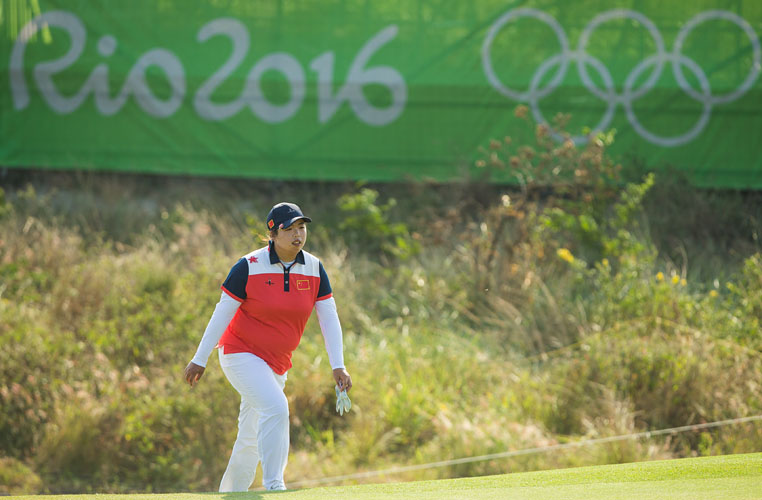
(725, 477)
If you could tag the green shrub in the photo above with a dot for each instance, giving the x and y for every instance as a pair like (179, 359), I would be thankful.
(366, 226)
(17, 479)
(31, 376)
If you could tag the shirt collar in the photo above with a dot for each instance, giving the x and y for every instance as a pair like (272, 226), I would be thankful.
(274, 259)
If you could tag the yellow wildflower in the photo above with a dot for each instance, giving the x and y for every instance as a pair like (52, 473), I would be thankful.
(713, 293)
(565, 254)
(683, 282)
(660, 276)
(675, 279)
(605, 262)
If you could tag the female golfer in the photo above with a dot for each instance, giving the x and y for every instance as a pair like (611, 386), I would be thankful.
(266, 301)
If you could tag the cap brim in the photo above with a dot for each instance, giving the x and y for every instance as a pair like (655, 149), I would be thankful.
(288, 223)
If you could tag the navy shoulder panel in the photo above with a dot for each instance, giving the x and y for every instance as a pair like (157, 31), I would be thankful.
(235, 283)
(325, 284)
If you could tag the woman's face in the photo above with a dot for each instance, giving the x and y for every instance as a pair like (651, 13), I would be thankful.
(288, 242)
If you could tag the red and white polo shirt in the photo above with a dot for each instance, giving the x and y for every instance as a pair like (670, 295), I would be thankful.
(276, 303)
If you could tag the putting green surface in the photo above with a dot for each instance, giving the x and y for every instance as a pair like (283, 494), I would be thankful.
(726, 477)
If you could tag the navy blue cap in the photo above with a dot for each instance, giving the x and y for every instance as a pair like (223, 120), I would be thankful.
(283, 215)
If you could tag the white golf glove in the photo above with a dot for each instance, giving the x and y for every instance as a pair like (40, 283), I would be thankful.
(343, 404)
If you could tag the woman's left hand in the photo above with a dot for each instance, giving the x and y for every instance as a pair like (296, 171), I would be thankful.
(343, 379)
(193, 373)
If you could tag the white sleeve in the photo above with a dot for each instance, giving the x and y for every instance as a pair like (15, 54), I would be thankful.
(331, 328)
(223, 313)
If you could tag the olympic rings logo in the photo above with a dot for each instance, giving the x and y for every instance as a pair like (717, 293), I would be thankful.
(629, 94)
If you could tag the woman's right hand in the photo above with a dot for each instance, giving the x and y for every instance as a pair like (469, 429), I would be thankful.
(193, 373)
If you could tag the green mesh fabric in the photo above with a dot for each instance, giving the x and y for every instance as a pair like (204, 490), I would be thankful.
(394, 90)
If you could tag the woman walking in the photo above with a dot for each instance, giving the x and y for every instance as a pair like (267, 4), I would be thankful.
(266, 301)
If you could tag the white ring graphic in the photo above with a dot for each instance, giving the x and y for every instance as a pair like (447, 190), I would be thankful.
(607, 80)
(629, 94)
(703, 120)
(487, 58)
(620, 14)
(755, 66)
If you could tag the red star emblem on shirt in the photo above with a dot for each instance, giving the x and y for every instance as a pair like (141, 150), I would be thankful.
(252, 259)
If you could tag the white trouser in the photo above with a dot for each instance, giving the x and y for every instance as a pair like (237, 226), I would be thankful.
(262, 423)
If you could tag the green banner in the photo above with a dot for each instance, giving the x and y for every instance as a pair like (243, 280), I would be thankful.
(392, 90)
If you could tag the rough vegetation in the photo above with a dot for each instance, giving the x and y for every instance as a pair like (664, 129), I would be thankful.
(581, 302)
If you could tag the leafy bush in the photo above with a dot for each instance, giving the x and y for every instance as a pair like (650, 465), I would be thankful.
(30, 378)
(16, 478)
(366, 226)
